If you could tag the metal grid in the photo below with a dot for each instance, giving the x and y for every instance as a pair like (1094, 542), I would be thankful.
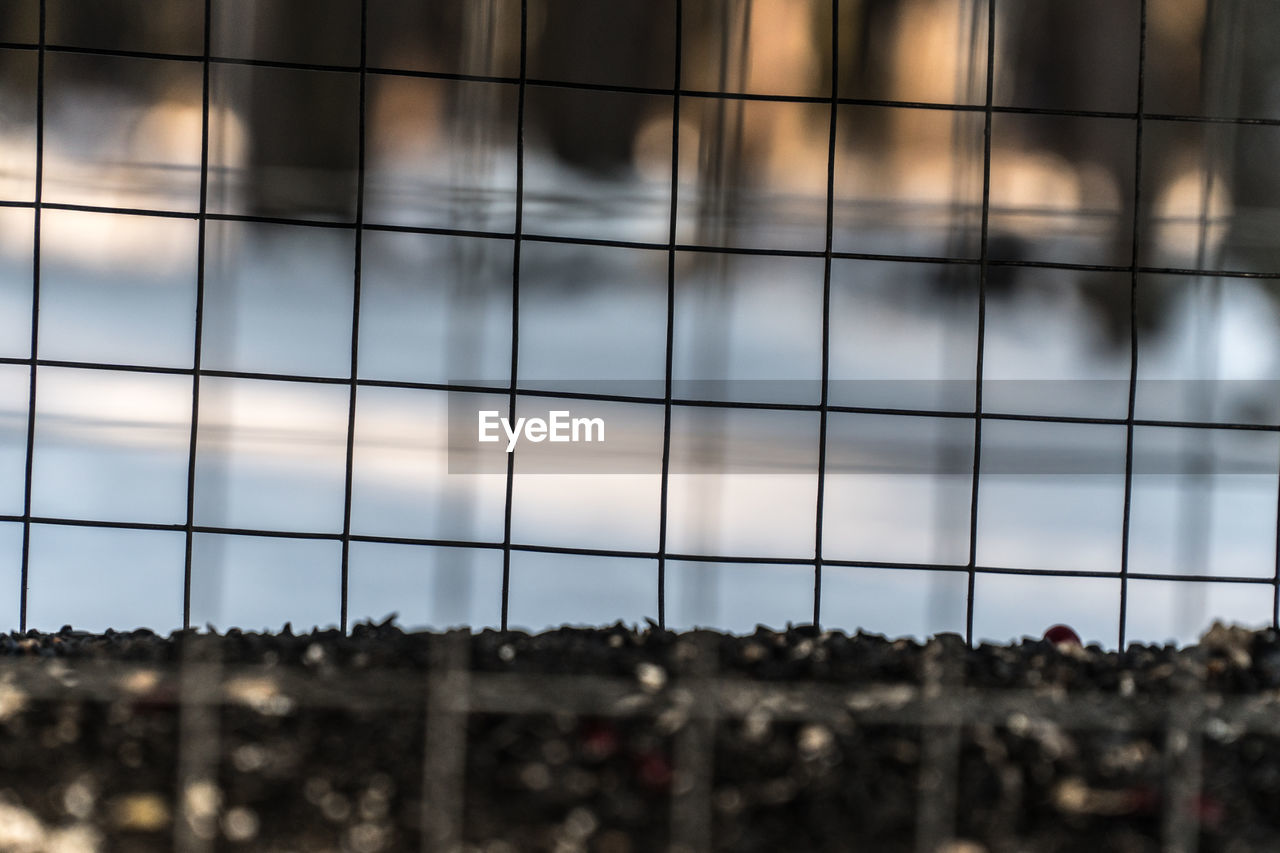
(522, 83)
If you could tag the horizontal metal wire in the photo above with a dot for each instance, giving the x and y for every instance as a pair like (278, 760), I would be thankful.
(636, 90)
(633, 554)
(275, 689)
(746, 251)
(643, 400)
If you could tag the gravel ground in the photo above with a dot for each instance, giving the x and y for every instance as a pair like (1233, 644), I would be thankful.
(620, 740)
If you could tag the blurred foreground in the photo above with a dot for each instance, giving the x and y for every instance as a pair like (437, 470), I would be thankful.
(617, 740)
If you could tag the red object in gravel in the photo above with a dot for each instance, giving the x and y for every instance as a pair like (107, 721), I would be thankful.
(1059, 634)
(653, 769)
(599, 740)
(1207, 809)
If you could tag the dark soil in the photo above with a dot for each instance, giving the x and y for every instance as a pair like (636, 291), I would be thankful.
(620, 740)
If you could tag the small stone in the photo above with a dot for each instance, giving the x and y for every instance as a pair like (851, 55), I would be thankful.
(145, 812)
(651, 677)
(12, 701)
(249, 758)
(261, 694)
(315, 789)
(1071, 795)
(756, 725)
(802, 649)
(497, 845)
(20, 830)
(336, 808)
(78, 799)
(1222, 731)
(141, 682)
(1231, 642)
(202, 799)
(78, 838)
(815, 741)
(613, 841)
(728, 801)
(535, 776)
(367, 838)
(962, 846)
(555, 751)
(580, 823)
(240, 824)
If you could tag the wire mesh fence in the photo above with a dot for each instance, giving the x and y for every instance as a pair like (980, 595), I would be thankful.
(351, 148)
(330, 234)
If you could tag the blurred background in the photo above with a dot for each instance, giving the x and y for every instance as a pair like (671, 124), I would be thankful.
(1124, 223)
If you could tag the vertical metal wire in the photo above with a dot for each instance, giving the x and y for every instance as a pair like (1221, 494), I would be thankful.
(201, 249)
(1183, 773)
(35, 327)
(1275, 578)
(823, 413)
(355, 312)
(199, 750)
(444, 760)
(515, 306)
(1133, 328)
(938, 783)
(982, 321)
(969, 48)
(693, 750)
(198, 713)
(665, 487)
